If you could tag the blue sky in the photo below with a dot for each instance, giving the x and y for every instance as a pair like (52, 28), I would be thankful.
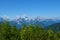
(30, 8)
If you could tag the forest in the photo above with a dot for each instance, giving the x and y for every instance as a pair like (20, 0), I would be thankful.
(30, 32)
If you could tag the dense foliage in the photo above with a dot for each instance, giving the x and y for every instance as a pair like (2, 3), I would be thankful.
(31, 32)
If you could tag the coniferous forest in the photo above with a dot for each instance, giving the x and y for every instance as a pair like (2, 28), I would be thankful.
(31, 32)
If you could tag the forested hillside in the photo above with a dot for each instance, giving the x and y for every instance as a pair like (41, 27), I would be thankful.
(55, 27)
(31, 32)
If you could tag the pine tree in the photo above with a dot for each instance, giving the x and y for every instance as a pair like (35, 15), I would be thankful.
(23, 32)
(50, 34)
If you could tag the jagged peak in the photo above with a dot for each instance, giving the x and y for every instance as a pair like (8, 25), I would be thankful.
(31, 18)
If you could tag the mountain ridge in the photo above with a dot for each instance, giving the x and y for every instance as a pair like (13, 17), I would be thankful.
(40, 21)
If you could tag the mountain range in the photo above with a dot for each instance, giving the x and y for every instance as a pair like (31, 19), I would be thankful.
(40, 21)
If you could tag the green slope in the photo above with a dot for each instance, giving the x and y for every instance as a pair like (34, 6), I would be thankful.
(55, 27)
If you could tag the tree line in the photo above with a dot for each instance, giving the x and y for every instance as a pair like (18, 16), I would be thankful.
(31, 32)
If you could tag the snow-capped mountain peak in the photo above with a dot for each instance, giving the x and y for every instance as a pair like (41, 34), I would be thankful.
(19, 20)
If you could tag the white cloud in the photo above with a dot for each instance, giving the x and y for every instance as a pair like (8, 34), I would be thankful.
(6, 17)
(18, 17)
